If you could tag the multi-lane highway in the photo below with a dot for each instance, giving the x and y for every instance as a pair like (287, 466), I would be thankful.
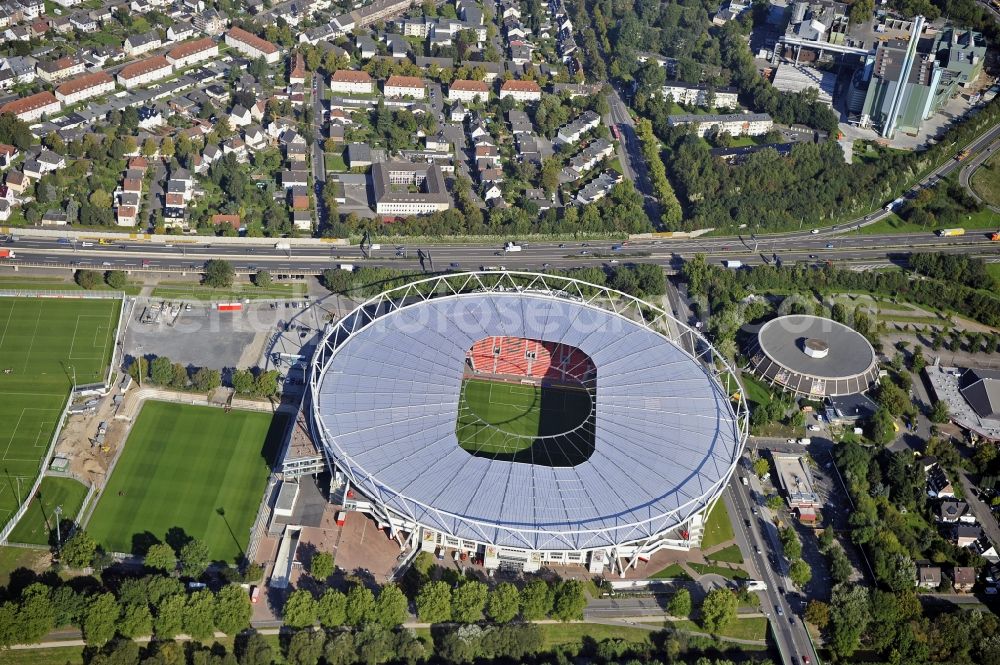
(184, 255)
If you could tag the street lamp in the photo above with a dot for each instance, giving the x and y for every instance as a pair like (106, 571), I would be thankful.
(58, 528)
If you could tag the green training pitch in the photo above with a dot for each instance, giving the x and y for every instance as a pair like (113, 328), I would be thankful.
(188, 472)
(38, 526)
(550, 425)
(43, 342)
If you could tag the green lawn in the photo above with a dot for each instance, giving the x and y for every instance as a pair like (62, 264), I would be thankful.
(986, 219)
(673, 571)
(750, 628)
(994, 270)
(37, 283)
(986, 180)
(729, 573)
(12, 558)
(755, 390)
(43, 342)
(729, 554)
(335, 162)
(193, 291)
(509, 420)
(573, 633)
(181, 466)
(718, 528)
(38, 526)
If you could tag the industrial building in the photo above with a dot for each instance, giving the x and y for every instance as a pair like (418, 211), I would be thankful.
(795, 480)
(403, 189)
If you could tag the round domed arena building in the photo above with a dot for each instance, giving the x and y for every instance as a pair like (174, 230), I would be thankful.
(519, 420)
(812, 356)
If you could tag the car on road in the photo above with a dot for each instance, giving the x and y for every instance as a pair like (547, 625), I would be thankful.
(814, 231)
(613, 261)
(454, 265)
(756, 548)
(747, 523)
(584, 252)
(814, 428)
(789, 440)
(813, 256)
(780, 611)
(829, 245)
(546, 265)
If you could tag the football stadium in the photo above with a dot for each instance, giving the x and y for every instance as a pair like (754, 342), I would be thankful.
(519, 419)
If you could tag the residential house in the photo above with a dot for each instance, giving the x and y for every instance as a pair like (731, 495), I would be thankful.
(126, 215)
(928, 576)
(359, 155)
(951, 511)
(4, 210)
(366, 47)
(296, 152)
(398, 46)
(468, 91)
(694, 94)
(232, 221)
(522, 91)
(33, 107)
(405, 86)
(966, 534)
(963, 578)
(144, 72)
(298, 198)
(252, 46)
(54, 218)
(8, 154)
(297, 75)
(734, 124)
(189, 53)
(239, 117)
(178, 32)
(572, 132)
(211, 22)
(302, 220)
(519, 122)
(85, 87)
(457, 113)
(438, 142)
(17, 182)
(59, 69)
(235, 146)
(136, 45)
(349, 81)
(150, 117)
(294, 178)
(255, 138)
(938, 485)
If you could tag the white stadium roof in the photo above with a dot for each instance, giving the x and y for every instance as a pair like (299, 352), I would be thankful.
(386, 389)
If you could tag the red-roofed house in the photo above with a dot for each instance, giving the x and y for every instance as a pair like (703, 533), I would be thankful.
(145, 71)
(468, 91)
(32, 107)
(522, 91)
(188, 53)
(405, 86)
(231, 220)
(298, 73)
(85, 87)
(351, 81)
(251, 45)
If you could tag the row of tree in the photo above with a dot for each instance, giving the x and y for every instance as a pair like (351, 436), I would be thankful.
(162, 371)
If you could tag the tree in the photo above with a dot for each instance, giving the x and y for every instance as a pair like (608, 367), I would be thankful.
(434, 602)
(219, 274)
(100, 199)
(266, 384)
(35, 614)
(849, 617)
(149, 147)
(179, 379)
(243, 381)
(569, 601)
(161, 371)
(253, 649)
(502, 605)
(818, 613)
(262, 279)
(536, 601)
(392, 607)
(680, 604)
(800, 573)
(136, 620)
(79, 550)
(199, 615)
(300, 609)
(169, 619)
(761, 467)
(882, 426)
(194, 558)
(305, 647)
(116, 279)
(167, 147)
(791, 543)
(232, 609)
(468, 601)
(939, 412)
(321, 566)
(332, 609)
(360, 607)
(718, 609)
(160, 556)
(206, 380)
(99, 619)
(87, 279)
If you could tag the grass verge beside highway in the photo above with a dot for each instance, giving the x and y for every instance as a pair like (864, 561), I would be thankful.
(986, 180)
(242, 291)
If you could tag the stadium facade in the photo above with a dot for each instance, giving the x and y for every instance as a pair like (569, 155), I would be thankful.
(386, 387)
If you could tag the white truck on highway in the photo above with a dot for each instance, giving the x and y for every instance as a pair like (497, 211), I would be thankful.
(511, 246)
(892, 205)
(284, 244)
(733, 264)
(349, 267)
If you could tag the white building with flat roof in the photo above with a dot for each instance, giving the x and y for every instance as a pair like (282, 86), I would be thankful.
(795, 479)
